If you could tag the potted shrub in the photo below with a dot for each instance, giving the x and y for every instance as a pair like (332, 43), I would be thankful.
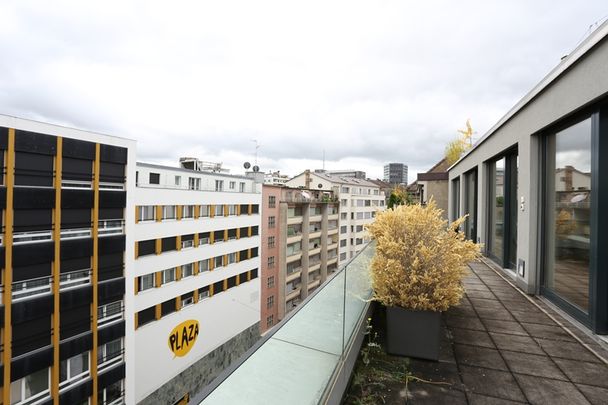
(417, 273)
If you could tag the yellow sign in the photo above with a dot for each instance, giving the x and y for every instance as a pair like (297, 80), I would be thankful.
(182, 337)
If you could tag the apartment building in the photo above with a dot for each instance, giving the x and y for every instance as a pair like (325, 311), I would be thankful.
(65, 239)
(195, 278)
(395, 173)
(299, 247)
(359, 201)
(535, 187)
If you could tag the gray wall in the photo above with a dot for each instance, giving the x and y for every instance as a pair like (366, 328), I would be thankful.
(579, 85)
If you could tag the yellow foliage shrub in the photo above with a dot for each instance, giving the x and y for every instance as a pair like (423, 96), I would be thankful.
(419, 261)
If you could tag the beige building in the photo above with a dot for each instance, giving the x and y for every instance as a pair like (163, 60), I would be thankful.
(299, 247)
(434, 184)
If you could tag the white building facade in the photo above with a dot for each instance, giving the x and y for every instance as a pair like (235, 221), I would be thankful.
(195, 278)
(360, 200)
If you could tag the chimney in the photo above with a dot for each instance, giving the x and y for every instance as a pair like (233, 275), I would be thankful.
(307, 179)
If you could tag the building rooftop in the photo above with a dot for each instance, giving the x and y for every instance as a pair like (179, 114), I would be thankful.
(198, 172)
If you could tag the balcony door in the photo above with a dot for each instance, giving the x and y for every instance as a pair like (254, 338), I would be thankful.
(502, 235)
(470, 204)
(567, 219)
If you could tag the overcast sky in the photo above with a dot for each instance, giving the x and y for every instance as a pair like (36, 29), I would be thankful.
(366, 82)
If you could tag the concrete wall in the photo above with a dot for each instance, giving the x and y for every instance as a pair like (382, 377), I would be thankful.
(581, 84)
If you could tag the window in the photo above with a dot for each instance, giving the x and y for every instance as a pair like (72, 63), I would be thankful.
(35, 385)
(169, 212)
(359, 228)
(188, 243)
(272, 201)
(344, 215)
(188, 211)
(178, 180)
(232, 209)
(270, 242)
(168, 275)
(187, 299)
(187, 270)
(109, 353)
(344, 202)
(111, 394)
(194, 183)
(269, 321)
(342, 256)
(219, 210)
(154, 178)
(270, 302)
(271, 262)
(231, 258)
(242, 187)
(232, 185)
(109, 312)
(343, 229)
(345, 190)
(219, 261)
(203, 292)
(203, 265)
(204, 211)
(270, 282)
(271, 221)
(146, 282)
(147, 213)
(219, 185)
(343, 243)
(74, 368)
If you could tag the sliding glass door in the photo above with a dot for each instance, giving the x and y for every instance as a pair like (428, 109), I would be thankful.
(567, 219)
(470, 202)
(502, 236)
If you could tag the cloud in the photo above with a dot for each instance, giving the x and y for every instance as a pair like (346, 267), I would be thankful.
(364, 82)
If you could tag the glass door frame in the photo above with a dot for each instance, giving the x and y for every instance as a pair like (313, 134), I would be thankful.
(597, 316)
(510, 155)
(467, 191)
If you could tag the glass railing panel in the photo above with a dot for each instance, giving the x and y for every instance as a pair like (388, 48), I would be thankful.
(278, 373)
(302, 356)
(318, 324)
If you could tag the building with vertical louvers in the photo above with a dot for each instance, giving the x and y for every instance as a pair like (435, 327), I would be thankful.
(64, 194)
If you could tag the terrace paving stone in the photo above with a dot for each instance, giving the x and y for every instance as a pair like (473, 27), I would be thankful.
(566, 350)
(515, 343)
(464, 322)
(494, 313)
(532, 364)
(490, 303)
(477, 399)
(595, 395)
(481, 294)
(472, 337)
(532, 317)
(422, 394)
(479, 357)
(509, 327)
(547, 332)
(585, 373)
(543, 391)
(494, 383)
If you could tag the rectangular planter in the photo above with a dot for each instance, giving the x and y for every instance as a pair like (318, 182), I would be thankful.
(413, 333)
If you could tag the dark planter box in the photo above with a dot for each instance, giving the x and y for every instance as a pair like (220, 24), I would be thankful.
(413, 333)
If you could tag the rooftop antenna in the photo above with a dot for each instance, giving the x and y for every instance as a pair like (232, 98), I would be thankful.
(257, 146)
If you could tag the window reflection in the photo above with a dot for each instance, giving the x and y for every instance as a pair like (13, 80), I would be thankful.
(568, 213)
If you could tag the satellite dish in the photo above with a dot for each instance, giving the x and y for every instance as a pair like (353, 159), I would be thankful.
(305, 194)
(247, 165)
(256, 168)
